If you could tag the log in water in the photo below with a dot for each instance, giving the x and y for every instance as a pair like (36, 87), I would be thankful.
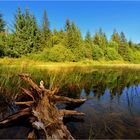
(45, 118)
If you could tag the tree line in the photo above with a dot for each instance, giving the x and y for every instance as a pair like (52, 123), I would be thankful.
(41, 43)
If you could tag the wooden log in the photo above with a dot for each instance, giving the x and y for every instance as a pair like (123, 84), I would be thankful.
(29, 93)
(32, 135)
(70, 112)
(46, 118)
(28, 80)
(15, 116)
(67, 99)
(28, 103)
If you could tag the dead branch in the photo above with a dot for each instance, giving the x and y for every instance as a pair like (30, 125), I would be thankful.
(67, 99)
(27, 79)
(28, 103)
(44, 116)
(29, 93)
(15, 116)
(70, 112)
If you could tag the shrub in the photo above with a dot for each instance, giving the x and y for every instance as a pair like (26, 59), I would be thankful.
(112, 54)
(97, 53)
(113, 44)
(60, 54)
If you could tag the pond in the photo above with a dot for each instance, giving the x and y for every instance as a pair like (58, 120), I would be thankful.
(112, 107)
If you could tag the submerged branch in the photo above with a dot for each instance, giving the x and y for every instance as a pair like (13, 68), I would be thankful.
(67, 99)
(70, 112)
(28, 103)
(43, 115)
(21, 113)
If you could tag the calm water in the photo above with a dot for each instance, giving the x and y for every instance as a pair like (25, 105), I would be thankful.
(112, 108)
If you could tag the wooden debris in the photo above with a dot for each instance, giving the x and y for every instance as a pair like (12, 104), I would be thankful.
(44, 117)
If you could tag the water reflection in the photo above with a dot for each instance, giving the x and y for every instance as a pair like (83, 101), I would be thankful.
(112, 107)
(128, 98)
(110, 116)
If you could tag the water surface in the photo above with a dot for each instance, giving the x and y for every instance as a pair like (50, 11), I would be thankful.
(112, 107)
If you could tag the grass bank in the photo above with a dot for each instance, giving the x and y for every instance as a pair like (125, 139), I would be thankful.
(25, 62)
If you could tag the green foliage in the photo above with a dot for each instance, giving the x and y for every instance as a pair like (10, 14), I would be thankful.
(60, 53)
(26, 36)
(113, 44)
(73, 35)
(112, 54)
(67, 44)
(123, 40)
(2, 43)
(97, 53)
(88, 39)
(2, 24)
(46, 32)
(115, 37)
(128, 54)
(58, 37)
(100, 39)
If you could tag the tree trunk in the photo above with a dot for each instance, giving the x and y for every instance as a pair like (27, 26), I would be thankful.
(44, 116)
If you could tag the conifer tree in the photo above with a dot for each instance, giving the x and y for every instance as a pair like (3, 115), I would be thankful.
(73, 35)
(103, 39)
(123, 40)
(123, 49)
(26, 33)
(115, 37)
(96, 39)
(2, 24)
(46, 32)
(67, 25)
(88, 38)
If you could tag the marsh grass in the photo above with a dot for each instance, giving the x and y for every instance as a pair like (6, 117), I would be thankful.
(71, 80)
(25, 62)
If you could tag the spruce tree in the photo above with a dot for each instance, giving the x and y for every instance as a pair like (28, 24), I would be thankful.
(46, 32)
(67, 25)
(26, 33)
(103, 39)
(96, 39)
(73, 35)
(2, 24)
(123, 49)
(88, 38)
(115, 37)
(123, 40)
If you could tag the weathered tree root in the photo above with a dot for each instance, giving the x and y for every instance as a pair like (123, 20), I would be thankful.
(44, 117)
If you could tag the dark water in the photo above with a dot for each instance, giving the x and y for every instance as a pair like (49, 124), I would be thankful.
(112, 107)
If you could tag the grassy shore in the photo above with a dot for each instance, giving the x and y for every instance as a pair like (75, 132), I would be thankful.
(24, 62)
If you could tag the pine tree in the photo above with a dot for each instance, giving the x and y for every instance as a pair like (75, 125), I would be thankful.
(88, 38)
(67, 25)
(46, 32)
(115, 37)
(73, 35)
(123, 40)
(96, 39)
(2, 24)
(26, 33)
(103, 39)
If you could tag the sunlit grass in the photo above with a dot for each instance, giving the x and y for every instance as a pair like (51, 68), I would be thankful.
(56, 66)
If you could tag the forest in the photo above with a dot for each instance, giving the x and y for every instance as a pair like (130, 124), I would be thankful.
(35, 42)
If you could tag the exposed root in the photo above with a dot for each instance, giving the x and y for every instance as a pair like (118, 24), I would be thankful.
(44, 116)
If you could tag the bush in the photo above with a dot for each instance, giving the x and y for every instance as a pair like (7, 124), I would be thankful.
(97, 53)
(128, 55)
(60, 54)
(113, 44)
(112, 54)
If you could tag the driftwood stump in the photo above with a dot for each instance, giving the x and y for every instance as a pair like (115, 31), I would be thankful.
(45, 118)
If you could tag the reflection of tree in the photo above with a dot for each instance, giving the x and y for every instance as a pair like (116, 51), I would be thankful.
(71, 82)
(99, 80)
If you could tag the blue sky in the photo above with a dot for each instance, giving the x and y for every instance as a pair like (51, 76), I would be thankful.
(91, 15)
